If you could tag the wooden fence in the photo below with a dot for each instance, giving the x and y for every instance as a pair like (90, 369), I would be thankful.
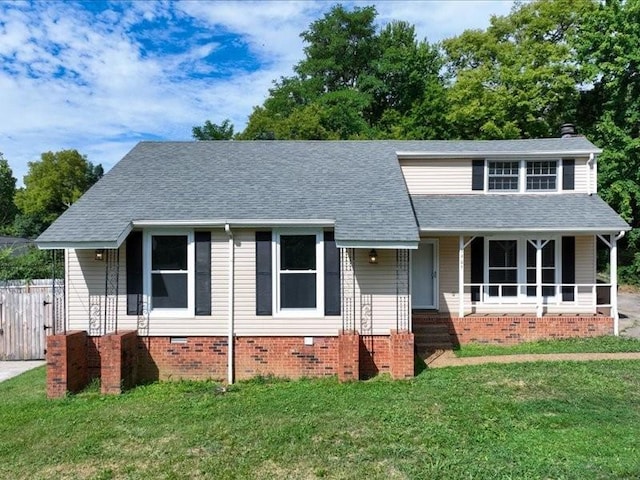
(26, 308)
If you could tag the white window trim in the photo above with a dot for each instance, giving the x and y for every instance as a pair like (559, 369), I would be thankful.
(522, 176)
(521, 296)
(146, 268)
(317, 312)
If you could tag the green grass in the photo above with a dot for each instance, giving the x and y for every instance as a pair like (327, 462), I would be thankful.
(529, 421)
(606, 344)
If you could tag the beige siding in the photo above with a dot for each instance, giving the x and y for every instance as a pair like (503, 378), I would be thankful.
(453, 176)
(448, 274)
(437, 176)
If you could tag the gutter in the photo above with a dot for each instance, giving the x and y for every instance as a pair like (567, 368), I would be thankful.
(589, 168)
(230, 337)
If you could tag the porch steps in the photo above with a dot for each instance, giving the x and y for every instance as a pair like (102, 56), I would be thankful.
(431, 338)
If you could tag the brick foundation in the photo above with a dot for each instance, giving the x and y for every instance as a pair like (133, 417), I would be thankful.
(67, 366)
(512, 329)
(402, 354)
(124, 359)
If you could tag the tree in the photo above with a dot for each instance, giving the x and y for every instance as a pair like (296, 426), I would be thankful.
(213, 131)
(8, 207)
(608, 49)
(355, 83)
(51, 186)
(519, 78)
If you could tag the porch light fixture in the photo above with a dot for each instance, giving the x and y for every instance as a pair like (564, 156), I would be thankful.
(373, 256)
(99, 255)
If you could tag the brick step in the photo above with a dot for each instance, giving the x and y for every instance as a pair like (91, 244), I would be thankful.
(430, 329)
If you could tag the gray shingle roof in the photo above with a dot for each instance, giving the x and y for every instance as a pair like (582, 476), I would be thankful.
(500, 212)
(357, 184)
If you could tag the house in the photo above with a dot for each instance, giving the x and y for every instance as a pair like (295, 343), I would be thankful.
(307, 258)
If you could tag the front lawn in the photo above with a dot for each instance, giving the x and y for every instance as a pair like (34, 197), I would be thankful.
(538, 420)
(606, 344)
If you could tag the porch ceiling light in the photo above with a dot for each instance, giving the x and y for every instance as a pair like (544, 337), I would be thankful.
(373, 256)
(99, 255)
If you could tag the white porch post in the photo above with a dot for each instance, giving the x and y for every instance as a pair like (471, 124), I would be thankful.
(538, 245)
(461, 276)
(613, 267)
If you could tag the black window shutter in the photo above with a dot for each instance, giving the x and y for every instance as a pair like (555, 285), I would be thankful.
(477, 175)
(134, 273)
(331, 275)
(477, 266)
(568, 174)
(568, 267)
(263, 273)
(203, 273)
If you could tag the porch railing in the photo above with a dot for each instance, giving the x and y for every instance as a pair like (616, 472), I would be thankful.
(579, 294)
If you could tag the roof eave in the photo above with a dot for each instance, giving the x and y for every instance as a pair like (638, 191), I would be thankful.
(408, 155)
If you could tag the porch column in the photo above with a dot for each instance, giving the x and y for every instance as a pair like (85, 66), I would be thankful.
(613, 267)
(539, 278)
(461, 276)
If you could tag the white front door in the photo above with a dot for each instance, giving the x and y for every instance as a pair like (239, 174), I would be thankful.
(424, 275)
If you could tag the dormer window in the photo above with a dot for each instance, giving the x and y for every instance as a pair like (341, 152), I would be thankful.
(520, 175)
(504, 176)
(542, 175)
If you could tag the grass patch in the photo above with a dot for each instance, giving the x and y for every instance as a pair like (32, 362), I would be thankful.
(605, 344)
(561, 420)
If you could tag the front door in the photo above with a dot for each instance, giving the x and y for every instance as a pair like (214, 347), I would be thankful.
(424, 276)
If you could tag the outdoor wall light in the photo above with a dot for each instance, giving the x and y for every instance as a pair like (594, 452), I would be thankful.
(373, 256)
(99, 255)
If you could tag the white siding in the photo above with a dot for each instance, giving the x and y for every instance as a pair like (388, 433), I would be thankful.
(437, 176)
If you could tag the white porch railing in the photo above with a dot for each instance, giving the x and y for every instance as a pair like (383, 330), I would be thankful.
(577, 294)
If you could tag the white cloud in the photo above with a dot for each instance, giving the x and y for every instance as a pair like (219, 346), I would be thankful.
(70, 78)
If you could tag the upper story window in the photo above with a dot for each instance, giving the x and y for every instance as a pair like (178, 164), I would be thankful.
(504, 175)
(542, 175)
(521, 176)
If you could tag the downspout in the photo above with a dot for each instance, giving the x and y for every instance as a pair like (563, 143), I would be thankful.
(230, 339)
(589, 168)
(614, 282)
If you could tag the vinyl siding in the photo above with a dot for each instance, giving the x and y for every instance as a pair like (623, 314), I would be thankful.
(441, 176)
(453, 176)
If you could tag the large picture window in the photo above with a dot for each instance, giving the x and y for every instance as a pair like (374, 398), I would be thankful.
(299, 278)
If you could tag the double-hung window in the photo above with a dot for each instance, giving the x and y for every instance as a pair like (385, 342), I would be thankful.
(504, 176)
(548, 269)
(542, 175)
(169, 284)
(503, 268)
(299, 282)
(525, 175)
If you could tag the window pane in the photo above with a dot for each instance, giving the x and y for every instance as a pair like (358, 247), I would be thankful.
(548, 255)
(297, 290)
(297, 252)
(542, 175)
(169, 252)
(503, 253)
(169, 290)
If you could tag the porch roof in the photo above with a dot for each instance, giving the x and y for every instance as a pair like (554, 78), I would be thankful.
(491, 213)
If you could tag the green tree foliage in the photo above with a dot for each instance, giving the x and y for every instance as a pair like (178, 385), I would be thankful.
(356, 82)
(213, 131)
(608, 47)
(8, 207)
(518, 78)
(51, 186)
(30, 265)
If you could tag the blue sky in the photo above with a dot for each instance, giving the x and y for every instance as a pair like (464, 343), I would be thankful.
(100, 76)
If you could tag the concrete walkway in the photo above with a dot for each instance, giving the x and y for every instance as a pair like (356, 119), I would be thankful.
(447, 358)
(14, 368)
